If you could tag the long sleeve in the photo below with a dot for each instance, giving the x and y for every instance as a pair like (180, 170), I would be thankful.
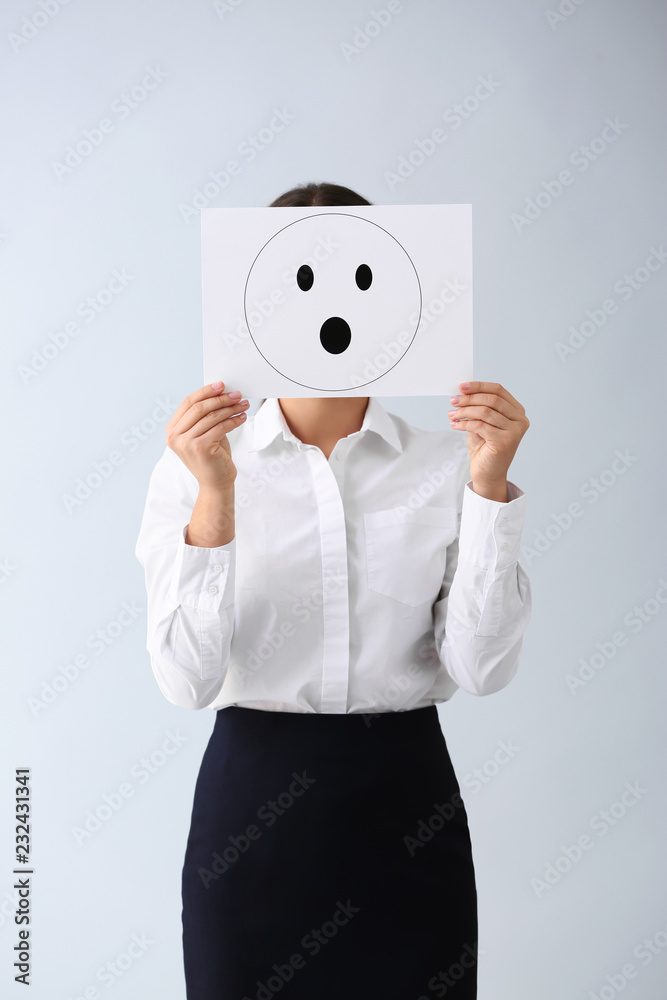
(190, 591)
(485, 602)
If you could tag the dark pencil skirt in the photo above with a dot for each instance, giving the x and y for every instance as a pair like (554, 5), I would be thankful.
(329, 858)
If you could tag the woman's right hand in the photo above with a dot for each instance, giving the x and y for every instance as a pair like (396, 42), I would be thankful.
(198, 430)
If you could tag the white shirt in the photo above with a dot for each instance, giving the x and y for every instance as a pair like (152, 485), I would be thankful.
(374, 581)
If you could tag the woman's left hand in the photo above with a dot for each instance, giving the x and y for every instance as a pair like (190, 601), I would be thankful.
(495, 422)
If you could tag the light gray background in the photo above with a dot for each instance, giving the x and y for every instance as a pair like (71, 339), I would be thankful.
(66, 574)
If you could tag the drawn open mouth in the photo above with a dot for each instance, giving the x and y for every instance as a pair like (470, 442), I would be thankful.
(335, 335)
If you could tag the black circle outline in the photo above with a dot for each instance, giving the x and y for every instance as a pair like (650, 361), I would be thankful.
(319, 215)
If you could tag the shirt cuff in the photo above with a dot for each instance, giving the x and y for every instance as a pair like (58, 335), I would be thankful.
(490, 533)
(203, 578)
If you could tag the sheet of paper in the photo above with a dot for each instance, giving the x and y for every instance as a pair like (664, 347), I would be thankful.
(350, 301)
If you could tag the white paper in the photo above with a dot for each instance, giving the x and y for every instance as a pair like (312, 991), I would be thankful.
(347, 301)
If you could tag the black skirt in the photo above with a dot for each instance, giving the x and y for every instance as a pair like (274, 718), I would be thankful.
(329, 858)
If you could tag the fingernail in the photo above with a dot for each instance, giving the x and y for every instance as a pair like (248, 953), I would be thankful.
(216, 385)
(235, 395)
(464, 385)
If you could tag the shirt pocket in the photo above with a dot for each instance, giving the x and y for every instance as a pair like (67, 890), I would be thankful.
(406, 551)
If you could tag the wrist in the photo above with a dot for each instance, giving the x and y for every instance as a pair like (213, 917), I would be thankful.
(215, 492)
(495, 490)
(212, 522)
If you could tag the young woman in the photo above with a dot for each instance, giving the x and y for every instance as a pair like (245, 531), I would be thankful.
(322, 575)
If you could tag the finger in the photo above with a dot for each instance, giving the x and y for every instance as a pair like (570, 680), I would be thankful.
(482, 415)
(486, 401)
(495, 388)
(222, 426)
(224, 419)
(201, 408)
(206, 392)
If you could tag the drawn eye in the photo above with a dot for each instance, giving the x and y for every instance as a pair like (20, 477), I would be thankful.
(304, 277)
(364, 277)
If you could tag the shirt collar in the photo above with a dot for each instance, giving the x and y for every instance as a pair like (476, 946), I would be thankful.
(269, 421)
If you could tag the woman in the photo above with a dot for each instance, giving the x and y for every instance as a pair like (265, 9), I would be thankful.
(322, 575)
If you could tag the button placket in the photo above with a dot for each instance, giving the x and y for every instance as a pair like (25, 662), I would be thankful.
(335, 605)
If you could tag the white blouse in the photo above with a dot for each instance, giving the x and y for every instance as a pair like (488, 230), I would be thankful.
(374, 581)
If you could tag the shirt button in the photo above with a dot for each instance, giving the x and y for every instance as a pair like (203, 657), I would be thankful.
(218, 568)
(504, 547)
(213, 590)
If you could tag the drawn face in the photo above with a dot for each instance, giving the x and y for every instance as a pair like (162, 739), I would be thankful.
(330, 295)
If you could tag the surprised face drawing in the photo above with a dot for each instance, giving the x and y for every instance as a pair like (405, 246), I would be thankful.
(326, 296)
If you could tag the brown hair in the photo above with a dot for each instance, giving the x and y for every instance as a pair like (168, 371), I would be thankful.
(317, 196)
